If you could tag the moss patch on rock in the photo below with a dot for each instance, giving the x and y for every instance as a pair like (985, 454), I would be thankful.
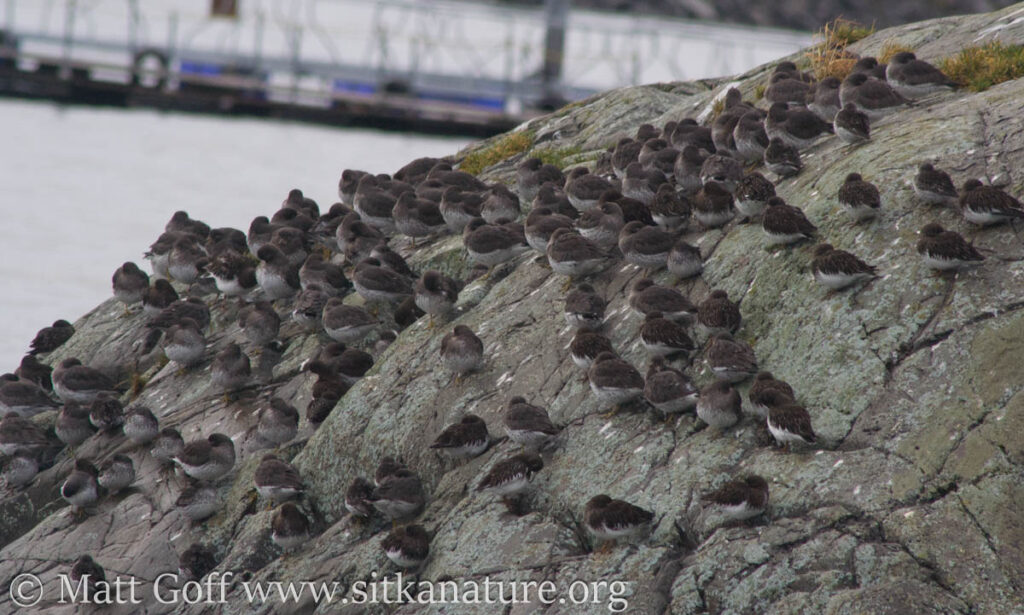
(979, 68)
(502, 149)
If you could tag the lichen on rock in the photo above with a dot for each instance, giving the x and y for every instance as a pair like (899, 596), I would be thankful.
(906, 505)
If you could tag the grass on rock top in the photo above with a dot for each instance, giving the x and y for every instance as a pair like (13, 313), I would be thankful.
(890, 48)
(979, 68)
(845, 32)
(829, 58)
(513, 144)
(502, 149)
(561, 157)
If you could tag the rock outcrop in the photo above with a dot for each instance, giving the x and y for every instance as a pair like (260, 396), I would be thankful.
(908, 504)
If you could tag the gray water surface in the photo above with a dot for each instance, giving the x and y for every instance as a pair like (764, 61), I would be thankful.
(83, 190)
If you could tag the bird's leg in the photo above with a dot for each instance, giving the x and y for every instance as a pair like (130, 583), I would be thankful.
(615, 410)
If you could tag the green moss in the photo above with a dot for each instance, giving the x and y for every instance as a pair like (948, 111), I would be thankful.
(569, 107)
(558, 156)
(980, 68)
(504, 148)
(759, 91)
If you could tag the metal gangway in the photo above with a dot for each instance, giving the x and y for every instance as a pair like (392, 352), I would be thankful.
(444, 61)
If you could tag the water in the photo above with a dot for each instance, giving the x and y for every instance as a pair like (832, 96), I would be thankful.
(86, 189)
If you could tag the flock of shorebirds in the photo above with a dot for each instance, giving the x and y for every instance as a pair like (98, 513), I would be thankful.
(634, 207)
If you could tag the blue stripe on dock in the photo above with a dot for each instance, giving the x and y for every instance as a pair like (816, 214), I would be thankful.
(201, 68)
(496, 104)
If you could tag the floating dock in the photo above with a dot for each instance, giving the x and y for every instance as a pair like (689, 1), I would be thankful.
(411, 65)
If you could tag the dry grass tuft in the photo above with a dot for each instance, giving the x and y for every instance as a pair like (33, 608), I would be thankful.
(829, 57)
(890, 48)
(845, 31)
(831, 62)
(502, 149)
(717, 107)
(979, 68)
(138, 383)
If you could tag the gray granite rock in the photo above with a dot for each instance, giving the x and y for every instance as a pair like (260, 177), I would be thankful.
(913, 385)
